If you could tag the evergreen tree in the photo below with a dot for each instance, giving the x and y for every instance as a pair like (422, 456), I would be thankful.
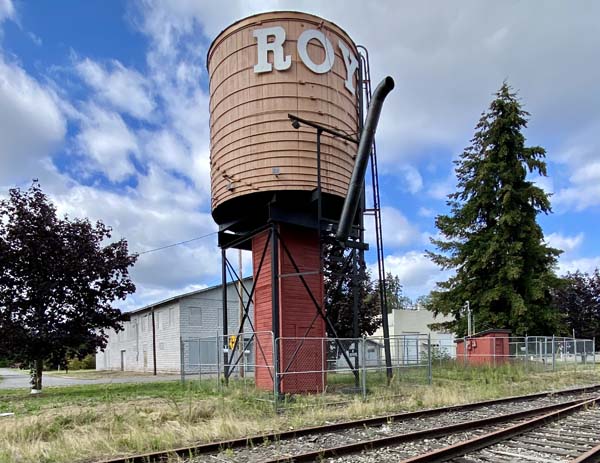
(396, 300)
(491, 238)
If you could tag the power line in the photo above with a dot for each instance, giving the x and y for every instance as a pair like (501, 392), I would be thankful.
(177, 244)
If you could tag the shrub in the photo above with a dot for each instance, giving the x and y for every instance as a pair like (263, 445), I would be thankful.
(87, 363)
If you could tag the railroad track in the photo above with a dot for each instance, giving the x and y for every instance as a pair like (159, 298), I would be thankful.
(335, 440)
(569, 434)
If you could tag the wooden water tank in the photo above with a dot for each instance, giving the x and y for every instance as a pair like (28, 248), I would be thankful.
(255, 151)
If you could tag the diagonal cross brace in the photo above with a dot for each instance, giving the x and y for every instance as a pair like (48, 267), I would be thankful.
(250, 299)
(316, 303)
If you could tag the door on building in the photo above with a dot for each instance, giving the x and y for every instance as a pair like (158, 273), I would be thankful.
(122, 360)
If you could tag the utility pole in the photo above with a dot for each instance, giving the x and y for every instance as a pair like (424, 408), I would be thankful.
(469, 321)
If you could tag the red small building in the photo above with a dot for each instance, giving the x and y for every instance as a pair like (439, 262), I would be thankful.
(486, 347)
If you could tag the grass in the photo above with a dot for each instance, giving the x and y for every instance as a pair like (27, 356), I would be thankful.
(87, 423)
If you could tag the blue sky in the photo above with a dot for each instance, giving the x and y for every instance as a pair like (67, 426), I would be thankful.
(106, 103)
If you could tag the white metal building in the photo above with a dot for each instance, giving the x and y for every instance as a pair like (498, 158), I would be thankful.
(152, 338)
(411, 327)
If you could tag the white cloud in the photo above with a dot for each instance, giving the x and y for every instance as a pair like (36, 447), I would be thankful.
(7, 10)
(545, 183)
(161, 211)
(125, 89)
(107, 142)
(412, 178)
(31, 124)
(441, 189)
(581, 157)
(584, 264)
(398, 231)
(565, 243)
(427, 212)
(417, 274)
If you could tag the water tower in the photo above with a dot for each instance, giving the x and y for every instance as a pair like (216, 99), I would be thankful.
(285, 123)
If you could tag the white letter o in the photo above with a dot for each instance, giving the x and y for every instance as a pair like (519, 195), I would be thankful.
(303, 40)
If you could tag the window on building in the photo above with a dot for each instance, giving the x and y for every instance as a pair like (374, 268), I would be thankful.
(371, 353)
(132, 330)
(172, 316)
(166, 319)
(144, 323)
(195, 316)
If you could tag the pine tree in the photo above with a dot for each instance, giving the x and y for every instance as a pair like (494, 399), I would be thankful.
(490, 237)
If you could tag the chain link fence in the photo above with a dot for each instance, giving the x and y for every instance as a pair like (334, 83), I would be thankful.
(339, 369)
(532, 352)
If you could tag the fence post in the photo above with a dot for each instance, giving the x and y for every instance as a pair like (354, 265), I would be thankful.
(553, 354)
(575, 352)
(275, 374)
(526, 353)
(219, 347)
(324, 364)
(364, 367)
(429, 372)
(199, 359)
(182, 360)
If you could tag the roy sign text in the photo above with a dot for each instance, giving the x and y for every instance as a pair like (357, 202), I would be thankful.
(271, 39)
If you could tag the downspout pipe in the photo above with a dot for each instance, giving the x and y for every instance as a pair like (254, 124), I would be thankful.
(367, 136)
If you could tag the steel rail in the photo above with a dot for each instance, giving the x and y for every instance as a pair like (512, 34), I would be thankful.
(199, 449)
(478, 443)
(429, 433)
(591, 456)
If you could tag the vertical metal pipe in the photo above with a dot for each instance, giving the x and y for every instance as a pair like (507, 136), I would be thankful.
(240, 341)
(182, 359)
(275, 374)
(219, 346)
(526, 352)
(553, 354)
(323, 364)
(199, 359)
(429, 367)
(225, 318)
(364, 367)
(275, 306)
(355, 329)
(153, 344)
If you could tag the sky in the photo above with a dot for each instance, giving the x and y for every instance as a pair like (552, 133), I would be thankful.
(106, 103)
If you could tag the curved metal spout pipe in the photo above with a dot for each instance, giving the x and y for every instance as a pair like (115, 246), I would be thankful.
(362, 158)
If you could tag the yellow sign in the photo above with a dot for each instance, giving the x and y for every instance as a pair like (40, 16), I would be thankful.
(232, 340)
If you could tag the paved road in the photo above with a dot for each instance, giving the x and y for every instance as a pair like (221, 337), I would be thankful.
(12, 379)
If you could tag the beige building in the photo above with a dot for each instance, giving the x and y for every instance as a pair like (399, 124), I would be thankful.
(410, 328)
